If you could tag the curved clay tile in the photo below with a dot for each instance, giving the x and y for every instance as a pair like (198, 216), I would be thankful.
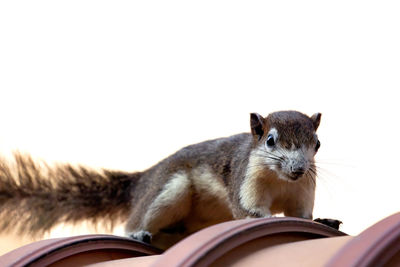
(213, 243)
(252, 242)
(377, 246)
(78, 250)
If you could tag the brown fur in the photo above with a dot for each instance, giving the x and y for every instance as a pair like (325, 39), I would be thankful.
(198, 186)
(294, 128)
(34, 197)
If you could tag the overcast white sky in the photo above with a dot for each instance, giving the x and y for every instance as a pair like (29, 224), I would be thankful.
(123, 84)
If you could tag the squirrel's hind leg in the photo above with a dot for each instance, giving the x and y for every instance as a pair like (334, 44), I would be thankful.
(169, 207)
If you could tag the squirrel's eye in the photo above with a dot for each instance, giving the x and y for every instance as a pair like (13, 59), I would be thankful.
(317, 145)
(270, 140)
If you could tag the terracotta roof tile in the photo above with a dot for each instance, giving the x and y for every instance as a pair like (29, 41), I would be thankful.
(256, 242)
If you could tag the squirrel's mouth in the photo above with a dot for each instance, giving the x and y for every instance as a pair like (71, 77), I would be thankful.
(293, 173)
(291, 177)
(295, 177)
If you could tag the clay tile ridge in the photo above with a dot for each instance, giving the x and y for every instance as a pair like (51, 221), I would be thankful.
(204, 247)
(376, 246)
(46, 252)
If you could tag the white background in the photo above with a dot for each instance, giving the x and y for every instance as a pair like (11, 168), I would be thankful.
(123, 84)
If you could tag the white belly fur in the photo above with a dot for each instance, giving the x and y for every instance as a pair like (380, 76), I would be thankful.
(210, 203)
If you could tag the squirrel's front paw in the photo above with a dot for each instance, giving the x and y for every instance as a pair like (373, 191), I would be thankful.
(258, 213)
(142, 236)
(329, 222)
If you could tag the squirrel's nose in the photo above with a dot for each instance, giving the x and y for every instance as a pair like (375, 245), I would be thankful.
(297, 172)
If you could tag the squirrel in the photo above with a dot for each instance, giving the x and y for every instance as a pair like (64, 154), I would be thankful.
(267, 171)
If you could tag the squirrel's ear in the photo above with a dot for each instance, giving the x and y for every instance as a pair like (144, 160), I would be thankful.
(316, 118)
(257, 125)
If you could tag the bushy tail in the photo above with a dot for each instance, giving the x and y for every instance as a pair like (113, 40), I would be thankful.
(35, 197)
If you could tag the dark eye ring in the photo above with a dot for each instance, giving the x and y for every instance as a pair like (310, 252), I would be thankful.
(317, 145)
(270, 141)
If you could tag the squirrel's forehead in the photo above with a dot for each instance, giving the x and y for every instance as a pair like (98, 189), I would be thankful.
(291, 122)
(293, 132)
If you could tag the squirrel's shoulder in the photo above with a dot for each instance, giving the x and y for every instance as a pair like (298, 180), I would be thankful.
(212, 151)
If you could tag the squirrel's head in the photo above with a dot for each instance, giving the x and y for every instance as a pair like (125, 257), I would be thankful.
(287, 142)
